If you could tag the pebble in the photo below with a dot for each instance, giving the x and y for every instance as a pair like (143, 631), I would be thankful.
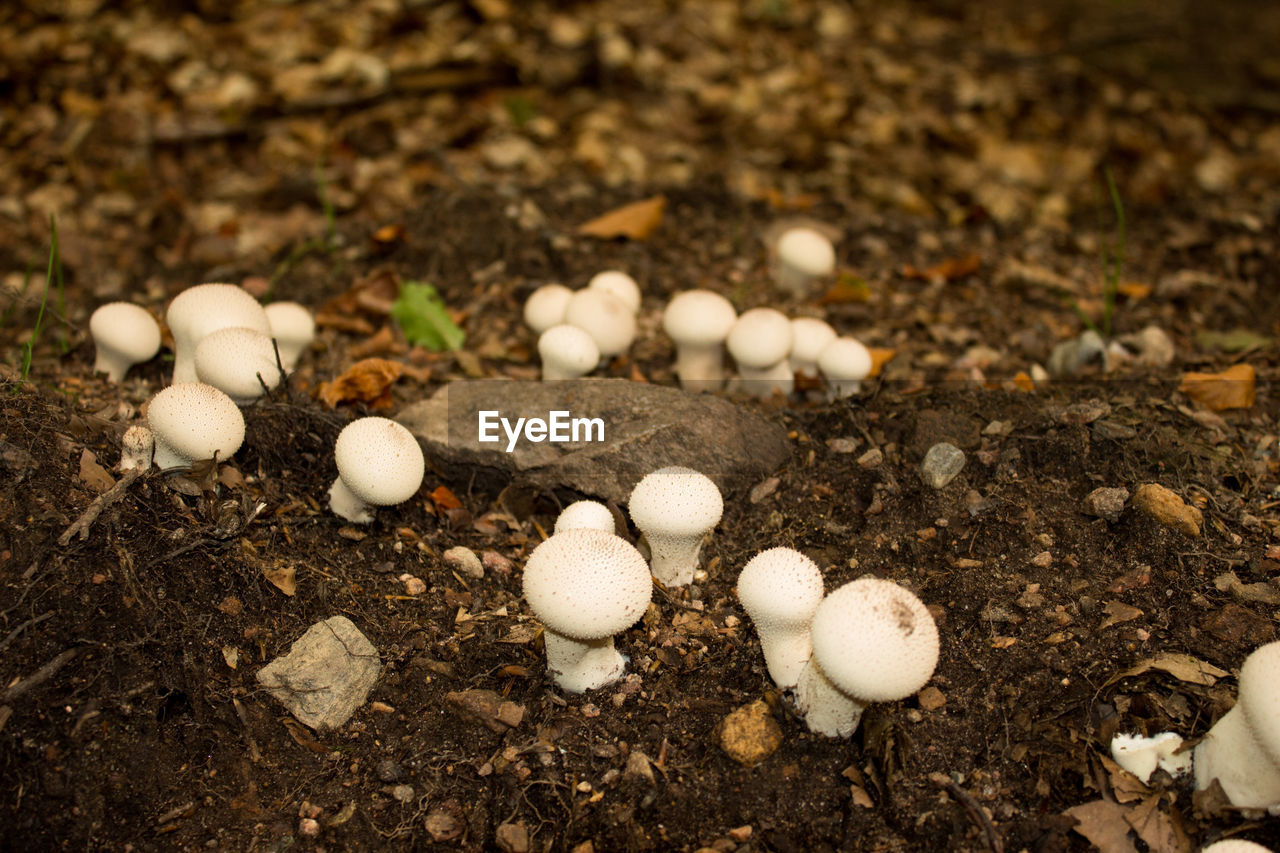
(1069, 357)
(512, 838)
(464, 560)
(871, 459)
(495, 562)
(1043, 560)
(387, 771)
(1168, 509)
(941, 464)
(413, 585)
(1105, 503)
(750, 734)
(931, 699)
(308, 827)
(402, 793)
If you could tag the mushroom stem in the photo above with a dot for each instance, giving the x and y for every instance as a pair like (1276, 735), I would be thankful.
(824, 707)
(345, 504)
(700, 366)
(1231, 754)
(581, 665)
(673, 559)
(763, 381)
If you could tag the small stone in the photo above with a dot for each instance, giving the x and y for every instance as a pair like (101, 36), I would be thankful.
(871, 459)
(1070, 357)
(309, 827)
(487, 707)
(326, 675)
(842, 445)
(464, 560)
(387, 771)
(402, 793)
(445, 822)
(1043, 560)
(941, 464)
(741, 834)
(639, 767)
(750, 734)
(512, 838)
(931, 699)
(1105, 503)
(495, 562)
(1168, 509)
(413, 585)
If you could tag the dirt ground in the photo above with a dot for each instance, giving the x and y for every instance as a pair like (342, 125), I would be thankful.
(324, 152)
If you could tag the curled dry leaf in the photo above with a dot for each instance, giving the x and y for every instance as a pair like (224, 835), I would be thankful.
(879, 358)
(1181, 666)
(368, 381)
(1232, 388)
(1118, 612)
(284, 579)
(636, 221)
(948, 270)
(94, 475)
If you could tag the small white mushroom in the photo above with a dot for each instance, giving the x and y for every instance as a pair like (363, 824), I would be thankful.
(294, 329)
(193, 421)
(379, 462)
(760, 342)
(781, 589)
(589, 514)
(801, 255)
(845, 362)
(675, 508)
(124, 334)
(1142, 755)
(605, 317)
(545, 307)
(698, 321)
(567, 352)
(239, 362)
(585, 586)
(1235, 845)
(809, 336)
(873, 641)
(1242, 750)
(620, 285)
(136, 447)
(205, 308)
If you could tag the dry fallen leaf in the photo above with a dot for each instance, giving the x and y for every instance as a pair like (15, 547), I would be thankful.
(284, 579)
(1103, 823)
(444, 499)
(636, 220)
(94, 475)
(1182, 667)
(368, 381)
(948, 270)
(1133, 290)
(879, 358)
(1118, 612)
(1158, 829)
(1233, 388)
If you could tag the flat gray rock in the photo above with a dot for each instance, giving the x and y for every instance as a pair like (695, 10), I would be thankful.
(645, 427)
(327, 674)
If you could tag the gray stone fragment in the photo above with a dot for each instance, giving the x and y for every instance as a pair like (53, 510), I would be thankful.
(326, 675)
(1105, 503)
(464, 560)
(1070, 357)
(941, 464)
(646, 427)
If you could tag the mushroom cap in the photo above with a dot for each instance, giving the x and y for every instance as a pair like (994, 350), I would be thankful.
(807, 251)
(205, 308)
(809, 336)
(675, 501)
(1259, 697)
(780, 588)
(875, 640)
(291, 323)
(379, 461)
(1235, 845)
(233, 358)
(590, 514)
(127, 329)
(196, 421)
(569, 348)
(845, 359)
(545, 307)
(760, 338)
(587, 584)
(620, 285)
(698, 317)
(603, 316)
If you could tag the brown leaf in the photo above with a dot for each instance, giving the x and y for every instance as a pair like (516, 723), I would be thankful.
(94, 475)
(1182, 667)
(1158, 829)
(444, 499)
(302, 735)
(848, 288)
(948, 270)
(368, 381)
(1133, 290)
(284, 579)
(1233, 388)
(1104, 824)
(487, 708)
(636, 220)
(1118, 612)
(1125, 787)
(879, 358)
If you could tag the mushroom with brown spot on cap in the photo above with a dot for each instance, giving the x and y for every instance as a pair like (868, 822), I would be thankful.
(203, 309)
(760, 342)
(781, 589)
(123, 334)
(545, 307)
(1242, 750)
(293, 327)
(239, 362)
(193, 421)
(567, 352)
(698, 322)
(676, 508)
(585, 586)
(379, 462)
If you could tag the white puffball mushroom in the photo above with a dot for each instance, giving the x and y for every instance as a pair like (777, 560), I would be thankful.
(801, 255)
(124, 334)
(698, 322)
(1235, 845)
(567, 352)
(238, 362)
(809, 335)
(845, 362)
(675, 508)
(193, 421)
(760, 342)
(781, 589)
(1142, 755)
(205, 308)
(873, 641)
(136, 448)
(620, 285)
(585, 585)
(592, 515)
(379, 462)
(603, 316)
(1242, 750)
(545, 307)
(294, 328)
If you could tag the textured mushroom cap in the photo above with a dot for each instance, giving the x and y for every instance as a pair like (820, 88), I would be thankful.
(620, 285)
(205, 308)
(698, 317)
(761, 338)
(1259, 697)
(780, 588)
(125, 329)
(1235, 845)
(233, 358)
(845, 359)
(806, 251)
(590, 514)
(603, 316)
(545, 307)
(809, 336)
(875, 640)
(568, 350)
(379, 461)
(291, 324)
(675, 501)
(196, 421)
(587, 584)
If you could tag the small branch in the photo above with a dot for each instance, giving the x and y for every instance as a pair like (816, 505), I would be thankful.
(82, 524)
(971, 806)
(4, 644)
(40, 676)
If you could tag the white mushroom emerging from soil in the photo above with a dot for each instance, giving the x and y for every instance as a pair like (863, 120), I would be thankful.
(605, 317)
(379, 462)
(567, 352)
(781, 589)
(873, 641)
(124, 334)
(760, 342)
(294, 329)
(136, 448)
(619, 284)
(203, 309)
(675, 508)
(239, 362)
(586, 585)
(592, 515)
(191, 422)
(1235, 845)
(1242, 750)
(845, 362)
(698, 322)
(809, 336)
(545, 307)
(802, 254)
(1142, 755)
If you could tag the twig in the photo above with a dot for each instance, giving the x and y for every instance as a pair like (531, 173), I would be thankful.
(4, 644)
(971, 806)
(82, 524)
(40, 676)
